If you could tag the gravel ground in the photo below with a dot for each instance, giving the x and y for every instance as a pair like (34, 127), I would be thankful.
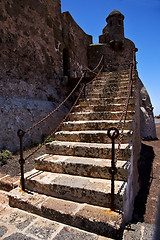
(12, 168)
(154, 191)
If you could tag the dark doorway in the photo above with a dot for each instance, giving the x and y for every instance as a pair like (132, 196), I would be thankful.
(66, 65)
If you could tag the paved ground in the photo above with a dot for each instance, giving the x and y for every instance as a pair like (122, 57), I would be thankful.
(19, 225)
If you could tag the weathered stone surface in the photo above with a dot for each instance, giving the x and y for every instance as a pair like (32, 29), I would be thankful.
(75, 188)
(82, 149)
(90, 218)
(99, 115)
(97, 217)
(3, 230)
(23, 113)
(101, 108)
(148, 130)
(7, 182)
(93, 124)
(88, 167)
(113, 60)
(17, 224)
(34, 38)
(90, 136)
(104, 101)
(139, 231)
(75, 234)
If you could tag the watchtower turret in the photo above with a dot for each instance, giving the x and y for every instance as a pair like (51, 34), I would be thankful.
(113, 33)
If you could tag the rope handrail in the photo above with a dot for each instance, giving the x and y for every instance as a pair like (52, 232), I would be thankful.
(21, 133)
(73, 90)
(51, 113)
(93, 70)
(52, 134)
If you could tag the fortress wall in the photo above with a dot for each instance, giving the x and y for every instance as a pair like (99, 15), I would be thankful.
(76, 42)
(32, 40)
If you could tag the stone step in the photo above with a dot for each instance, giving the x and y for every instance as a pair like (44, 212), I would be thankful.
(114, 76)
(102, 108)
(118, 77)
(80, 166)
(93, 191)
(93, 124)
(99, 115)
(87, 217)
(90, 136)
(105, 82)
(104, 101)
(81, 149)
(107, 94)
(108, 86)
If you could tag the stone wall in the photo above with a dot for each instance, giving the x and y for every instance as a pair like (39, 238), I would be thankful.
(116, 49)
(76, 43)
(133, 184)
(113, 60)
(32, 42)
(148, 129)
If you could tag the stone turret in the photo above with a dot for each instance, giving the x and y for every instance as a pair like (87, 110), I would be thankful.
(113, 33)
(116, 49)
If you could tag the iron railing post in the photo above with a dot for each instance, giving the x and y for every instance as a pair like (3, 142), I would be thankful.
(113, 169)
(21, 134)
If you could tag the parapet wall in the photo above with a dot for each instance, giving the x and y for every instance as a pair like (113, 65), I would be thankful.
(114, 60)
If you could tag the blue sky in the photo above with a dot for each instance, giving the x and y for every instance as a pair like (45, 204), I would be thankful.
(142, 26)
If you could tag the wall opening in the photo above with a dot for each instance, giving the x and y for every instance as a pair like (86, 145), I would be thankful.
(66, 64)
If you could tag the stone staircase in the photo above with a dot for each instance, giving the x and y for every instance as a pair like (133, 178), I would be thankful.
(71, 182)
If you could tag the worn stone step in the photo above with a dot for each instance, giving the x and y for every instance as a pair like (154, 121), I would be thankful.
(102, 108)
(93, 191)
(107, 94)
(80, 166)
(106, 82)
(90, 136)
(114, 76)
(104, 101)
(108, 86)
(112, 79)
(99, 115)
(90, 218)
(81, 149)
(93, 124)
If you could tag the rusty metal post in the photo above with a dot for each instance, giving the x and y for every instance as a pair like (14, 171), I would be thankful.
(21, 134)
(113, 169)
